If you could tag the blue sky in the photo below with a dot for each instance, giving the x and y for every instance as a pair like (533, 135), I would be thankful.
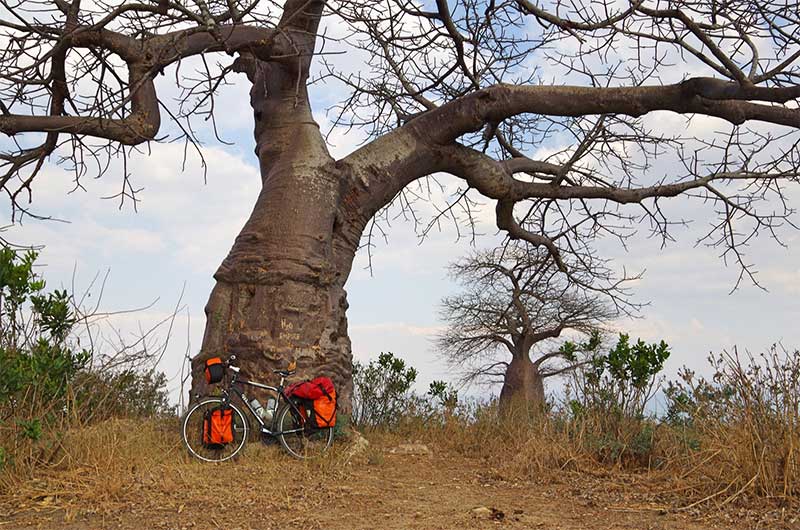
(184, 226)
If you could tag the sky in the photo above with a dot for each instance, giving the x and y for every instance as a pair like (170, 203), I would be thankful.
(161, 256)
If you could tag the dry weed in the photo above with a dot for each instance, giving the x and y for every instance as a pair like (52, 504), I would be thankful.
(127, 464)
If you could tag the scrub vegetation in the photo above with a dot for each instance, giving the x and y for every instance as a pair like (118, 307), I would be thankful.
(50, 384)
(83, 434)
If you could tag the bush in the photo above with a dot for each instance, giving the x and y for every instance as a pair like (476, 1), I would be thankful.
(444, 395)
(127, 393)
(741, 427)
(36, 363)
(382, 396)
(623, 381)
(381, 391)
(608, 397)
(47, 383)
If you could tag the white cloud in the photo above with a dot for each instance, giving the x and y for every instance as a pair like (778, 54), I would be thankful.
(785, 281)
(417, 331)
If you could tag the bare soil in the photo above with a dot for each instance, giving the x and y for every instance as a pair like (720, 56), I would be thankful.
(264, 489)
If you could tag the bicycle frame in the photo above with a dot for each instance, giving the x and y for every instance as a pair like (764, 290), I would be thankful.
(276, 390)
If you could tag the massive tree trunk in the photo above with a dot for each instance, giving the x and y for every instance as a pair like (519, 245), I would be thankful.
(523, 386)
(280, 292)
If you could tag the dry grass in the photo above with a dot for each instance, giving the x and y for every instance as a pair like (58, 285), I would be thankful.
(119, 465)
(264, 489)
(734, 448)
(745, 428)
(136, 467)
(736, 445)
(100, 464)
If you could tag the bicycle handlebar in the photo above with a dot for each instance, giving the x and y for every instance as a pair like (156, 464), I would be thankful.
(292, 368)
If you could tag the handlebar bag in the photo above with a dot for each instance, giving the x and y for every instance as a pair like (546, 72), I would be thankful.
(215, 370)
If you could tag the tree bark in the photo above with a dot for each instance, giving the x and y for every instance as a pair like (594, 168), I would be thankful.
(523, 387)
(280, 291)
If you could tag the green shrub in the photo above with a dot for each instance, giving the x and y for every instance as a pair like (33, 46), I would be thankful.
(47, 383)
(608, 397)
(623, 381)
(126, 393)
(443, 394)
(382, 396)
(381, 390)
(36, 362)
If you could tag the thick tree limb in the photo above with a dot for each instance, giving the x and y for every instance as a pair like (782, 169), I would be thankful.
(443, 125)
(262, 43)
(499, 102)
(141, 125)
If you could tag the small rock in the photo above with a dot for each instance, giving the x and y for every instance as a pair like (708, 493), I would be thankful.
(488, 513)
(358, 445)
(411, 449)
(482, 511)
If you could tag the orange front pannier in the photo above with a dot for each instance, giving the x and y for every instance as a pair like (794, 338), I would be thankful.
(325, 409)
(215, 370)
(218, 428)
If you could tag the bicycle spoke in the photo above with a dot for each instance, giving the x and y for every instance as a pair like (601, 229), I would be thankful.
(301, 440)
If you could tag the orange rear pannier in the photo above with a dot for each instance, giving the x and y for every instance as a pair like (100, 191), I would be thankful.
(319, 395)
(325, 409)
(218, 428)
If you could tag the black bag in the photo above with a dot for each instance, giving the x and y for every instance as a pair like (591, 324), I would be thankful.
(215, 370)
(306, 407)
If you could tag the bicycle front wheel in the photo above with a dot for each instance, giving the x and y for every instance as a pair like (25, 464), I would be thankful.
(299, 440)
(193, 432)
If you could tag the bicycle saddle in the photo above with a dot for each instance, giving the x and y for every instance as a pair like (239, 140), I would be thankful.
(289, 370)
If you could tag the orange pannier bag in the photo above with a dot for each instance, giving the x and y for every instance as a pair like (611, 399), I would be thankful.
(218, 428)
(325, 409)
(319, 396)
(215, 370)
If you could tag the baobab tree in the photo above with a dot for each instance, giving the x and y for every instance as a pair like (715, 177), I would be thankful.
(482, 90)
(505, 323)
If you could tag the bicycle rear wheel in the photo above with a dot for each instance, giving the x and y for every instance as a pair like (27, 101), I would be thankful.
(193, 432)
(299, 440)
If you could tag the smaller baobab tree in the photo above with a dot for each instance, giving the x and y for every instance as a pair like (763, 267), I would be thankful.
(506, 323)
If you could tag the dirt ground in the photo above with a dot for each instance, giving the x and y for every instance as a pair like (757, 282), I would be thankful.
(264, 489)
